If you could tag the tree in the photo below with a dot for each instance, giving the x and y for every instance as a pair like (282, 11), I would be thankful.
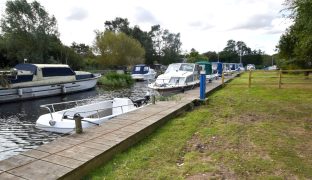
(82, 49)
(118, 49)
(295, 45)
(212, 56)
(28, 31)
(194, 56)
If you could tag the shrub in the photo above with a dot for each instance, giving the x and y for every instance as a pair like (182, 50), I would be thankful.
(114, 80)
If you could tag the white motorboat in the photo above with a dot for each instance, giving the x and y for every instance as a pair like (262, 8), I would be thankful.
(92, 114)
(27, 81)
(142, 72)
(178, 77)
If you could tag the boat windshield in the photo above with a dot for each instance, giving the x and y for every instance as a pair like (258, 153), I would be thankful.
(180, 67)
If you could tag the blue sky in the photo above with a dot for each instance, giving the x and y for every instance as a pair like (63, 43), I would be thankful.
(205, 25)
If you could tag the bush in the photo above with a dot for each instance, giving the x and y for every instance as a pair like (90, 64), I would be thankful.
(114, 80)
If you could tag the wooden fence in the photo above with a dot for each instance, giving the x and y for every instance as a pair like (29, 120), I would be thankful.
(272, 78)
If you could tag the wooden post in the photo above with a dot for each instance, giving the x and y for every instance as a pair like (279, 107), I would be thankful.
(249, 79)
(280, 79)
(153, 99)
(78, 124)
(222, 78)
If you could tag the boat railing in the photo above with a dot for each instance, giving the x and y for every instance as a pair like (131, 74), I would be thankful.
(51, 107)
(97, 111)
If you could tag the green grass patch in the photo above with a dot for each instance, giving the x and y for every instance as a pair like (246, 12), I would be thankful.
(115, 80)
(243, 133)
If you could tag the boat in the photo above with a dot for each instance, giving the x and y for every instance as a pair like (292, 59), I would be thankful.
(26, 81)
(177, 77)
(207, 67)
(142, 72)
(93, 113)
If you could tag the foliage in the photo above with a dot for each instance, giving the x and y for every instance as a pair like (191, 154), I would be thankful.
(212, 56)
(233, 50)
(194, 56)
(257, 133)
(114, 80)
(118, 49)
(295, 45)
(82, 49)
(160, 45)
(29, 32)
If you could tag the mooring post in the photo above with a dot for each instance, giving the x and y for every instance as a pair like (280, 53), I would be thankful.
(78, 124)
(249, 79)
(280, 79)
(202, 83)
(153, 99)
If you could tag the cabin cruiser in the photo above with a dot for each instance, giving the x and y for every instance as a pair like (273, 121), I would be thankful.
(178, 77)
(27, 81)
(143, 72)
(93, 113)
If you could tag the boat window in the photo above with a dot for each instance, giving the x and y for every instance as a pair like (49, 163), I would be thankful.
(27, 67)
(189, 79)
(140, 70)
(137, 68)
(173, 67)
(59, 71)
(187, 67)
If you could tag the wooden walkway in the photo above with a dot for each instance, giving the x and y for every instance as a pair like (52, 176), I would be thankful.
(73, 156)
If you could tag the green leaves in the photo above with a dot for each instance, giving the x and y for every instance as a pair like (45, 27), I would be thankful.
(295, 45)
(118, 49)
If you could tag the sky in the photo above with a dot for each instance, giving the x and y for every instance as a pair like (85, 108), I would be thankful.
(205, 25)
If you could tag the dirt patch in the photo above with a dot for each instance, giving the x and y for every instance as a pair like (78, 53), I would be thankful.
(221, 173)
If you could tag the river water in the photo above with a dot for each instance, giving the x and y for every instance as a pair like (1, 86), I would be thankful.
(17, 120)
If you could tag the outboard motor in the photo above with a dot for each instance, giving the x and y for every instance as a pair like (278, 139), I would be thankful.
(139, 102)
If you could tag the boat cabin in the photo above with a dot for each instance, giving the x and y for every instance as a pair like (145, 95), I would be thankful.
(140, 69)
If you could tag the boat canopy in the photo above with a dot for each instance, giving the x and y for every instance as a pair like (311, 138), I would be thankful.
(140, 69)
(206, 66)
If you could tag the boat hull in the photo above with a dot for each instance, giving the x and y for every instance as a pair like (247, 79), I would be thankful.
(143, 77)
(24, 93)
(174, 89)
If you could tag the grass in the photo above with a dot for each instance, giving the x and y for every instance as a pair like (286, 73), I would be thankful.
(114, 80)
(257, 133)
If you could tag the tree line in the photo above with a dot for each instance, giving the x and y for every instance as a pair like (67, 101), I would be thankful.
(295, 45)
(29, 33)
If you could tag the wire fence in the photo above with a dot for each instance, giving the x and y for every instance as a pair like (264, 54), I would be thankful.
(278, 78)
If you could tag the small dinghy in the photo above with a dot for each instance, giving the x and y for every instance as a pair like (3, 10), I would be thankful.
(92, 114)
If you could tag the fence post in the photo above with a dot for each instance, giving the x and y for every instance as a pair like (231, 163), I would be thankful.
(280, 79)
(249, 79)
(78, 124)
(222, 78)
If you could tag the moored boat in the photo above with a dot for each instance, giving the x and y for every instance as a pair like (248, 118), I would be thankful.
(178, 77)
(142, 72)
(26, 81)
(92, 114)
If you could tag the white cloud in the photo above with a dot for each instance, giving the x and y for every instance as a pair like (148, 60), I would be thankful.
(78, 14)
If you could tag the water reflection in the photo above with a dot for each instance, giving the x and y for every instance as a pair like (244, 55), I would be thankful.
(17, 120)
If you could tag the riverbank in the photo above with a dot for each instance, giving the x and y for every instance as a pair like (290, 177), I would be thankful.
(261, 132)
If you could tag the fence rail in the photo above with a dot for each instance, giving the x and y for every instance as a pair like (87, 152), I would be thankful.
(278, 77)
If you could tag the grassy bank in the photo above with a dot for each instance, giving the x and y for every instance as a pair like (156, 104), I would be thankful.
(114, 80)
(256, 133)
